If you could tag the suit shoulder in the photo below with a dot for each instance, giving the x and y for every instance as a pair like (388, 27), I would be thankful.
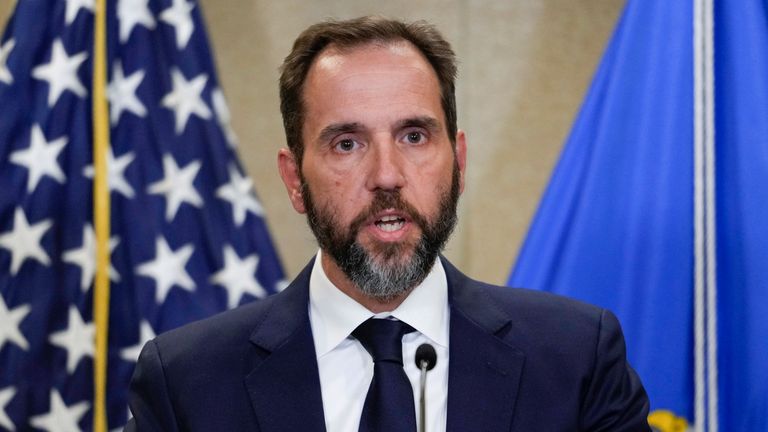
(544, 305)
(224, 329)
(481, 299)
(538, 319)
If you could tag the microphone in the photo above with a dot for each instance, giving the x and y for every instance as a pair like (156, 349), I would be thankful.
(426, 359)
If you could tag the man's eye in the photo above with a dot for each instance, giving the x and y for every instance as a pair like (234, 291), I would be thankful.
(345, 145)
(414, 137)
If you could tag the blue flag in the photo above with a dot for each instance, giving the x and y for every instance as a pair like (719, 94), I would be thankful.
(741, 163)
(657, 208)
(188, 236)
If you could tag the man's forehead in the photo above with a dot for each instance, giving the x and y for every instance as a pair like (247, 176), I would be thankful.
(340, 70)
(374, 73)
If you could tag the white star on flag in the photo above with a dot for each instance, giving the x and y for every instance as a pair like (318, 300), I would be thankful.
(85, 258)
(40, 158)
(121, 93)
(10, 320)
(223, 116)
(179, 16)
(24, 240)
(131, 13)
(239, 193)
(61, 418)
(186, 98)
(5, 51)
(78, 339)
(238, 276)
(281, 285)
(61, 73)
(116, 173)
(74, 6)
(177, 186)
(6, 395)
(131, 354)
(168, 268)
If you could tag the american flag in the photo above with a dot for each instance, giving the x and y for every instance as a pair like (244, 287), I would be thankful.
(188, 236)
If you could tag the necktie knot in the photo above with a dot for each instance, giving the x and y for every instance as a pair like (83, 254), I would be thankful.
(382, 338)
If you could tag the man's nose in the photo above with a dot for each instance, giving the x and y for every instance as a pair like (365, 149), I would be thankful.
(386, 167)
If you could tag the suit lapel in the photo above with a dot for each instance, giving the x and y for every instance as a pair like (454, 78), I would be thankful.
(284, 386)
(484, 371)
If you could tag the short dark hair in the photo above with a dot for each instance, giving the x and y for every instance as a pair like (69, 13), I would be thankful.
(355, 32)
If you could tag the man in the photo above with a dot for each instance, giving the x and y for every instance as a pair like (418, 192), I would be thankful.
(377, 163)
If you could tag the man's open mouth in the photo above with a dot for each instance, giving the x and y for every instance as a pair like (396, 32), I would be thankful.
(390, 223)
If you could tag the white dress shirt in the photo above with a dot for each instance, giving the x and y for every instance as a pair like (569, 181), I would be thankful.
(346, 368)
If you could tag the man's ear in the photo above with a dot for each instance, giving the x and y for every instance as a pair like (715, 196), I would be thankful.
(461, 157)
(289, 172)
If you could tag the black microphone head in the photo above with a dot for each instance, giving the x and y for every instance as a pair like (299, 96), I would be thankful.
(426, 353)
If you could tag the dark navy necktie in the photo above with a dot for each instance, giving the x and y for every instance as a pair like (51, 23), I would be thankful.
(389, 404)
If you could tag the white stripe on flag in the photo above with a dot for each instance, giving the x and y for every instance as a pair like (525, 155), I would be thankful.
(705, 280)
(698, 216)
(711, 240)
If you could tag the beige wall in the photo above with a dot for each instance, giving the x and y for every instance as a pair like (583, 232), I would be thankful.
(524, 68)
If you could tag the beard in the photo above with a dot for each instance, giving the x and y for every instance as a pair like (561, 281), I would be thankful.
(385, 270)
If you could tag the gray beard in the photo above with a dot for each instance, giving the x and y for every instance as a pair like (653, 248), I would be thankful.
(382, 273)
(385, 281)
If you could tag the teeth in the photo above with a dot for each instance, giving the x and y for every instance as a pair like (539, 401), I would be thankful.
(390, 223)
(391, 226)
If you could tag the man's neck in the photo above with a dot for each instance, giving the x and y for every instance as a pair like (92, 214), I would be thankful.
(342, 282)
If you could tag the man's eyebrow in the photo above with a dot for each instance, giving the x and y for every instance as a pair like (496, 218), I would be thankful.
(334, 129)
(426, 122)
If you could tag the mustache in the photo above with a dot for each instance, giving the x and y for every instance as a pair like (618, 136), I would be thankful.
(384, 200)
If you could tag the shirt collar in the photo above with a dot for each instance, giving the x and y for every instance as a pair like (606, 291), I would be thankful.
(334, 315)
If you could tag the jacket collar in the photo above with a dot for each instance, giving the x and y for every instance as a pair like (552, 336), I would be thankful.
(484, 371)
(284, 385)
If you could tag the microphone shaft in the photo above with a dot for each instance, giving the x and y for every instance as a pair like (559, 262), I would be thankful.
(422, 401)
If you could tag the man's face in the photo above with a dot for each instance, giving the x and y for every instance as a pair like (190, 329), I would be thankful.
(379, 179)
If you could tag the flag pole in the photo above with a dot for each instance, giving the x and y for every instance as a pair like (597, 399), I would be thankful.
(101, 209)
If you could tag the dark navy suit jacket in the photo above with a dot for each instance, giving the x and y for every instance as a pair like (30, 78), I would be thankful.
(520, 360)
